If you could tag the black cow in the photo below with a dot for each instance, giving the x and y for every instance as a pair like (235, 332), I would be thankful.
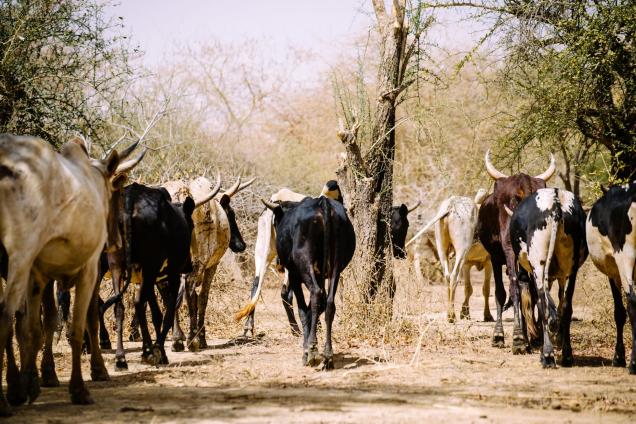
(315, 241)
(611, 240)
(547, 232)
(399, 228)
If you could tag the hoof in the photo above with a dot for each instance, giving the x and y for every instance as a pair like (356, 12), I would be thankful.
(81, 397)
(451, 317)
(193, 346)
(305, 358)
(105, 345)
(327, 365)
(488, 318)
(99, 374)
(202, 343)
(147, 357)
(548, 361)
(159, 356)
(619, 361)
(5, 409)
(294, 330)
(519, 348)
(49, 379)
(464, 314)
(17, 394)
(567, 361)
(498, 341)
(313, 358)
(121, 365)
(177, 346)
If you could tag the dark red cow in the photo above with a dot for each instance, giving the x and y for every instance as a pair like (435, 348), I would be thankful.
(494, 234)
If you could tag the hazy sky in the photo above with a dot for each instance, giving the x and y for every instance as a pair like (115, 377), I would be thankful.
(323, 26)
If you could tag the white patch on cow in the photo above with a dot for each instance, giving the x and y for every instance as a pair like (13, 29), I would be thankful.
(545, 199)
(567, 201)
(600, 251)
(538, 253)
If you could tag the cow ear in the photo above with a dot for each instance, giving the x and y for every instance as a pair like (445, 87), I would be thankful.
(111, 162)
(278, 213)
(119, 181)
(225, 200)
(188, 206)
(404, 210)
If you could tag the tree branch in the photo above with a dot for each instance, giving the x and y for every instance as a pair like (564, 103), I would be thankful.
(348, 137)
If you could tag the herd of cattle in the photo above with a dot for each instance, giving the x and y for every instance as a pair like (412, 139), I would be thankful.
(67, 219)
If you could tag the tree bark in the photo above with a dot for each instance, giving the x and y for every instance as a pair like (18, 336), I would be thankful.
(368, 180)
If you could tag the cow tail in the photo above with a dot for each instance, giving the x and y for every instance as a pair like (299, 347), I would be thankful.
(249, 308)
(441, 214)
(526, 310)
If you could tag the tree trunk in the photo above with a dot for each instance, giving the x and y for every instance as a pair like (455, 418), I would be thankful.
(368, 181)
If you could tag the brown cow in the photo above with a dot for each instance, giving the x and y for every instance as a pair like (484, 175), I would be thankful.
(494, 234)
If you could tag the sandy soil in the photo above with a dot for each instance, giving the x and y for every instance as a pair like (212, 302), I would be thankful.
(264, 381)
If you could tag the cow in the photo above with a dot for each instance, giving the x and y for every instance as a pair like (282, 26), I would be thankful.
(215, 229)
(611, 240)
(56, 215)
(493, 230)
(547, 232)
(266, 243)
(315, 241)
(455, 229)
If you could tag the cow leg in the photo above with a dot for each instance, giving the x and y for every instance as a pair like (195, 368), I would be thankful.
(50, 323)
(547, 351)
(98, 369)
(452, 283)
(519, 339)
(249, 322)
(158, 351)
(565, 320)
(134, 330)
(64, 305)
(500, 295)
(84, 290)
(104, 337)
(631, 309)
(147, 290)
(193, 308)
(177, 332)
(330, 313)
(31, 327)
(316, 302)
(16, 393)
(303, 311)
(155, 311)
(468, 291)
(202, 306)
(485, 291)
(287, 295)
(116, 278)
(620, 316)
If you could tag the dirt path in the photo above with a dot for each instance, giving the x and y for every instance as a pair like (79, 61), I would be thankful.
(264, 381)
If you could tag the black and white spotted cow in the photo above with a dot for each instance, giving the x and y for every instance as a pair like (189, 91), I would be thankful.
(547, 232)
(611, 239)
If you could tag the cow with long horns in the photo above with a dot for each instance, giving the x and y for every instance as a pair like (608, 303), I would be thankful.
(611, 240)
(494, 234)
(56, 214)
(215, 229)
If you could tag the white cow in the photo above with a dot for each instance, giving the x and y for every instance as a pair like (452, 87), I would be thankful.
(56, 215)
(455, 229)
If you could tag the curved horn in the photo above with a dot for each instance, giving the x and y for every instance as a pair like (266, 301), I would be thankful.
(246, 184)
(210, 195)
(234, 189)
(492, 171)
(128, 150)
(415, 206)
(547, 174)
(269, 205)
(124, 167)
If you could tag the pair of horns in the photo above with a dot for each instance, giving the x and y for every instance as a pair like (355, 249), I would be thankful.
(496, 174)
(211, 194)
(237, 186)
(126, 165)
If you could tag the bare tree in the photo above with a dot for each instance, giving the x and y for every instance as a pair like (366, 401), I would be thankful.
(366, 172)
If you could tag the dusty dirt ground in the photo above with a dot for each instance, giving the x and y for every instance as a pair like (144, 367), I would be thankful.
(264, 381)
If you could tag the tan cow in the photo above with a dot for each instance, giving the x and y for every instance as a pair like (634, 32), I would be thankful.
(455, 229)
(215, 230)
(55, 211)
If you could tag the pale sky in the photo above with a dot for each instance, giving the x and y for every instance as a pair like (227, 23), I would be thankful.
(324, 27)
